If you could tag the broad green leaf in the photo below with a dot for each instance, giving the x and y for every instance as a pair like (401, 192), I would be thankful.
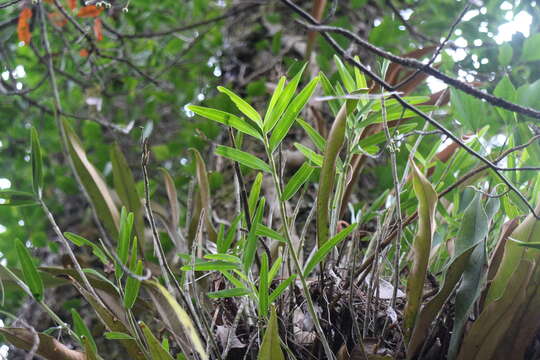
(295, 107)
(530, 49)
(311, 155)
(242, 105)
(37, 164)
(30, 273)
(505, 54)
(474, 228)
(91, 179)
(225, 118)
(472, 282)
(296, 181)
(154, 346)
(263, 286)
(114, 335)
(315, 137)
(17, 198)
(82, 330)
(270, 347)
(283, 101)
(175, 316)
(243, 158)
(227, 293)
(273, 101)
(427, 202)
(326, 247)
(48, 348)
(80, 241)
(506, 90)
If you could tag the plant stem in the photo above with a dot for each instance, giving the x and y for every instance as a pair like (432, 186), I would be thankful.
(298, 268)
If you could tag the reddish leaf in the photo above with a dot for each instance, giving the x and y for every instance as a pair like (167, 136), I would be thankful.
(98, 30)
(23, 28)
(90, 11)
(72, 4)
(83, 52)
(57, 18)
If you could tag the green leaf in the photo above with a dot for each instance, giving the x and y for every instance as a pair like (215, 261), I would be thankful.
(530, 49)
(326, 247)
(315, 137)
(273, 101)
(227, 293)
(284, 98)
(427, 201)
(211, 266)
(223, 257)
(225, 244)
(254, 193)
(204, 193)
(17, 198)
(295, 107)
(124, 239)
(93, 182)
(37, 164)
(281, 287)
(115, 335)
(225, 118)
(154, 346)
(243, 158)
(345, 75)
(251, 241)
(270, 347)
(296, 181)
(505, 54)
(242, 105)
(30, 273)
(80, 241)
(174, 316)
(82, 330)
(263, 286)
(316, 159)
(506, 90)
(132, 286)
(263, 230)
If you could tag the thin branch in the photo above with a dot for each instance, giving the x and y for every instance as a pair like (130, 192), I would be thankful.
(408, 26)
(230, 13)
(9, 3)
(415, 64)
(405, 104)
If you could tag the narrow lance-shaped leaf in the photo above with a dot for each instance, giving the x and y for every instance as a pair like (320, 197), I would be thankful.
(315, 137)
(30, 272)
(251, 240)
(254, 193)
(325, 248)
(17, 198)
(427, 201)
(335, 141)
(82, 330)
(154, 346)
(93, 182)
(225, 118)
(275, 97)
(243, 158)
(242, 105)
(296, 181)
(263, 286)
(124, 184)
(37, 164)
(204, 193)
(283, 101)
(227, 293)
(474, 228)
(297, 104)
(80, 241)
(132, 284)
(49, 348)
(270, 347)
(175, 316)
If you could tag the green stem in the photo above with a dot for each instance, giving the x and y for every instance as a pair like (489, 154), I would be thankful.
(298, 268)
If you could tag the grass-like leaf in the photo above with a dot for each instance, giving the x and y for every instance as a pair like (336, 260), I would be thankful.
(30, 273)
(296, 181)
(226, 118)
(270, 347)
(154, 346)
(243, 158)
(242, 105)
(37, 164)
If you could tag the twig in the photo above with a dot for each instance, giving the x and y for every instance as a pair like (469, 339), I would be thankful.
(9, 3)
(408, 26)
(408, 62)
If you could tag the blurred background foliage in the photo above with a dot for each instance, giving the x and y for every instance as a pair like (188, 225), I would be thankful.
(145, 88)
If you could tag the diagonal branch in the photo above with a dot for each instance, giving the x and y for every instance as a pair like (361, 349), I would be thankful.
(408, 106)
